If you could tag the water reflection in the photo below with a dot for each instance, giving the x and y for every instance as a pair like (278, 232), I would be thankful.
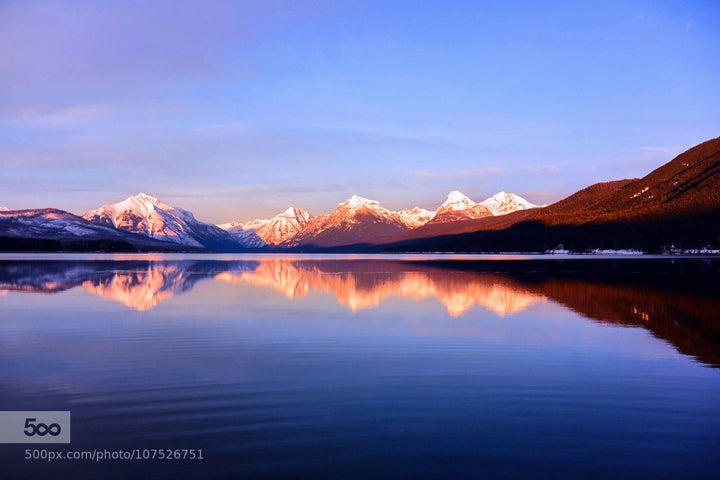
(356, 285)
(379, 281)
(675, 301)
(140, 285)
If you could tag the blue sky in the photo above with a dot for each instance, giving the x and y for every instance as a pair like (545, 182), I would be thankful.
(237, 110)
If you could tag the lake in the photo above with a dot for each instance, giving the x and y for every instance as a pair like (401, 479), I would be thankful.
(350, 367)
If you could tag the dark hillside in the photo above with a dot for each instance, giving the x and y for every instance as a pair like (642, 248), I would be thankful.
(676, 205)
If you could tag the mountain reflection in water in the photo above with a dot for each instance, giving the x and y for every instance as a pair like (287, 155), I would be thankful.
(369, 287)
(673, 299)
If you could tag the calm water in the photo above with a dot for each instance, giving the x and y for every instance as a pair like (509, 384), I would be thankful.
(420, 367)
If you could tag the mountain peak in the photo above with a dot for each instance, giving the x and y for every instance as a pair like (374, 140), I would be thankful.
(503, 203)
(457, 200)
(4, 209)
(294, 212)
(144, 197)
(456, 196)
(358, 201)
(458, 206)
(415, 217)
(142, 203)
(146, 215)
(273, 231)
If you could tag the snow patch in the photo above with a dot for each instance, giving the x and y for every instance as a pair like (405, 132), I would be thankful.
(456, 200)
(599, 251)
(146, 215)
(260, 232)
(358, 201)
(415, 217)
(641, 192)
(503, 203)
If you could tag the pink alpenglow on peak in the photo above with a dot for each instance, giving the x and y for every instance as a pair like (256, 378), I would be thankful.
(356, 220)
(415, 217)
(457, 207)
(362, 220)
(284, 226)
(503, 203)
(274, 231)
(146, 215)
(245, 233)
(357, 201)
(456, 200)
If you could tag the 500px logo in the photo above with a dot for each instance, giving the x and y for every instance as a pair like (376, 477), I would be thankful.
(41, 429)
(34, 427)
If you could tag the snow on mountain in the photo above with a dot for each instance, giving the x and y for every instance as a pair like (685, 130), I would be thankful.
(503, 203)
(4, 209)
(356, 220)
(279, 229)
(459, 207)
(456, 201)
(230, 226)
(356, 201)
(415, 217)
(66, 228)
(146, 215)
(362, 220)
(49, 223)
(256, 224)
(284, 226)
(246, 233)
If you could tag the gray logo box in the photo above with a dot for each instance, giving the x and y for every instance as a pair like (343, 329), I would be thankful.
(34, 427)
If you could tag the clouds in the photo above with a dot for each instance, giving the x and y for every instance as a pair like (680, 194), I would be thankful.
(59, 117)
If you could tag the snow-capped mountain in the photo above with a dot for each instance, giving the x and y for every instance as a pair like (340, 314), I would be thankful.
(244, 233)
(4, 209)
(144, 222)
(49, 223)
(361, 220)
(503, 203)
(356, 220)
(415, 217)
(284, 226)
(146, 215)
(459, 207)
(279, 229)
(53, 229)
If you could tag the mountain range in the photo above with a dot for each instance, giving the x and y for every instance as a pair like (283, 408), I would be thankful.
(144, 223)
(675, 206)
(361, 220)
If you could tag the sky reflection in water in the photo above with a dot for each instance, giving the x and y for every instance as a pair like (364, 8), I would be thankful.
(282, 366)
